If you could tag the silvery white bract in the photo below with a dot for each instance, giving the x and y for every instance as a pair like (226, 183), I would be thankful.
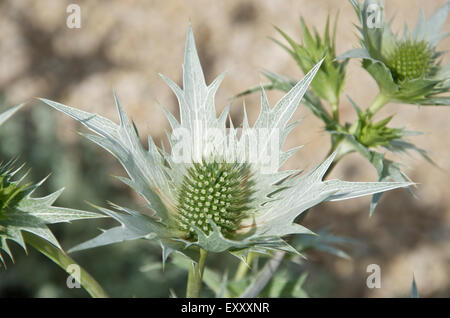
(406, 68)
(8, 113)
(19, 211)
(185, 211)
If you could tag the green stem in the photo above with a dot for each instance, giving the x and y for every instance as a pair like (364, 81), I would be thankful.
(335, 111)
(379, 102)
(341, 153)
(264, 276)
(63, 261)
(194, 284)
(244, 267)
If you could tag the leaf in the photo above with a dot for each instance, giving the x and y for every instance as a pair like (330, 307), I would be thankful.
(8, 113)
(387, 170)
(20, 212)
(435, 101)
(146, 175)
(346, 190)
(64, 261)
(359, 53)
(430, 29)
(277, 118)
(284, 84)
(263, 276)
(283, 284)
(414, 291)
(325, 242)
(279, 115)
(196, 101)
(415, 90)
(383, 76)
(401, 145)
(133, 226)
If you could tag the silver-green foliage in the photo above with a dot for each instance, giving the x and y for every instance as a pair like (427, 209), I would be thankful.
(19, 211)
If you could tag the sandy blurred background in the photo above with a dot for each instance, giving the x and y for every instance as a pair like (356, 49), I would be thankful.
(123, 45)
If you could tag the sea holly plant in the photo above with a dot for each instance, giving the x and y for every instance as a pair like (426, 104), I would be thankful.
(330, 78)
(218, 189)
(329, 81)
(24, 218)
(407, 69)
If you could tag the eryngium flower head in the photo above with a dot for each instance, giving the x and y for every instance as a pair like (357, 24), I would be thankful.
(407, 68)
(216, 191)
(20, 212)
(219, 188)
(329, 80)
(410, 60)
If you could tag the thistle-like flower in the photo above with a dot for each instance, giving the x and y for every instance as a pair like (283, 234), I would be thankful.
(20, 212)
(218, 188)
(330, 79)
(407, 69)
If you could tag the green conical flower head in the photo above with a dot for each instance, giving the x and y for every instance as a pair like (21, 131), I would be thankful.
(218, 192)
(410, 60)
